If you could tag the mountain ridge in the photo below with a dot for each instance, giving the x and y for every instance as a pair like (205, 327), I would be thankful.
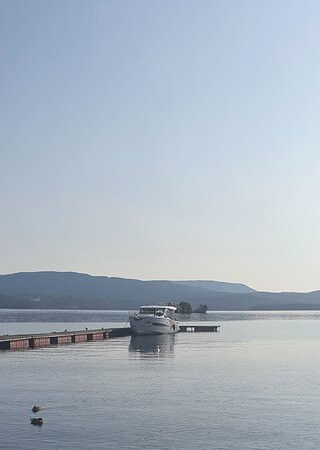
(74, 290)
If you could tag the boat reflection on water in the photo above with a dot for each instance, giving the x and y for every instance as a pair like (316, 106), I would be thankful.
(161, 345)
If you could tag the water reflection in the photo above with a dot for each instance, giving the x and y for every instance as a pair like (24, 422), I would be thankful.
(161, 345)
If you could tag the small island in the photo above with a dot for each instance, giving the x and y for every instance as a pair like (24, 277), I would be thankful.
(186, 308)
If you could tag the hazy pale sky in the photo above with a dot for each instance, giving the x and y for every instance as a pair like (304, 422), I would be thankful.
(162, 140)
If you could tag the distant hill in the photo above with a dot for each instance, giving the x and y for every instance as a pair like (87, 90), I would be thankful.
(10, 301)
(71, 290)
(218, 286)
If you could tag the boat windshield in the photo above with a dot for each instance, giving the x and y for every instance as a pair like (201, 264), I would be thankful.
(152, 311)
(169, 313)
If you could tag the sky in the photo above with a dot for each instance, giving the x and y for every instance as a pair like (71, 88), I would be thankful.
(162, 140)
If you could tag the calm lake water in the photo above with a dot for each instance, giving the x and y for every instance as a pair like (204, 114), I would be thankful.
(253, 385)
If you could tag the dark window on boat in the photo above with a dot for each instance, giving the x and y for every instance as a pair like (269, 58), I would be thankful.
(146, 311)
(153, 312)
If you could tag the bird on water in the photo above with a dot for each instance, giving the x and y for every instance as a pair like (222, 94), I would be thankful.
(36, 408)
(37, 421)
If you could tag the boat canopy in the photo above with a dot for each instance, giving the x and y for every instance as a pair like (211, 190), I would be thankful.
(173, 308)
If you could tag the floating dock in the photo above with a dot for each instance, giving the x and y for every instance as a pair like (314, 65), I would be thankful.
(199, 328)
(28, 341)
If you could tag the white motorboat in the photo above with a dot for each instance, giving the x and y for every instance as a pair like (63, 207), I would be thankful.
(154, 319)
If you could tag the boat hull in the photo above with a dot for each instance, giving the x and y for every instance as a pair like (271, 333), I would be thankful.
(153, 325)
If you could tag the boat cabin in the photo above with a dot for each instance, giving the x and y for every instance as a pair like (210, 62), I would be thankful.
(159, 311)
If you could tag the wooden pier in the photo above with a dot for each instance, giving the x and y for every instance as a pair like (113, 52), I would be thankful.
(30, 341)
(199, 328)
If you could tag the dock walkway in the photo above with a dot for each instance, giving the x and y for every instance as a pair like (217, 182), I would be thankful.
(199, 328)
(38, 340)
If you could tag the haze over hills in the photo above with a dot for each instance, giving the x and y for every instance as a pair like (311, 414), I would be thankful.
(71, 290)
(218, 286)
